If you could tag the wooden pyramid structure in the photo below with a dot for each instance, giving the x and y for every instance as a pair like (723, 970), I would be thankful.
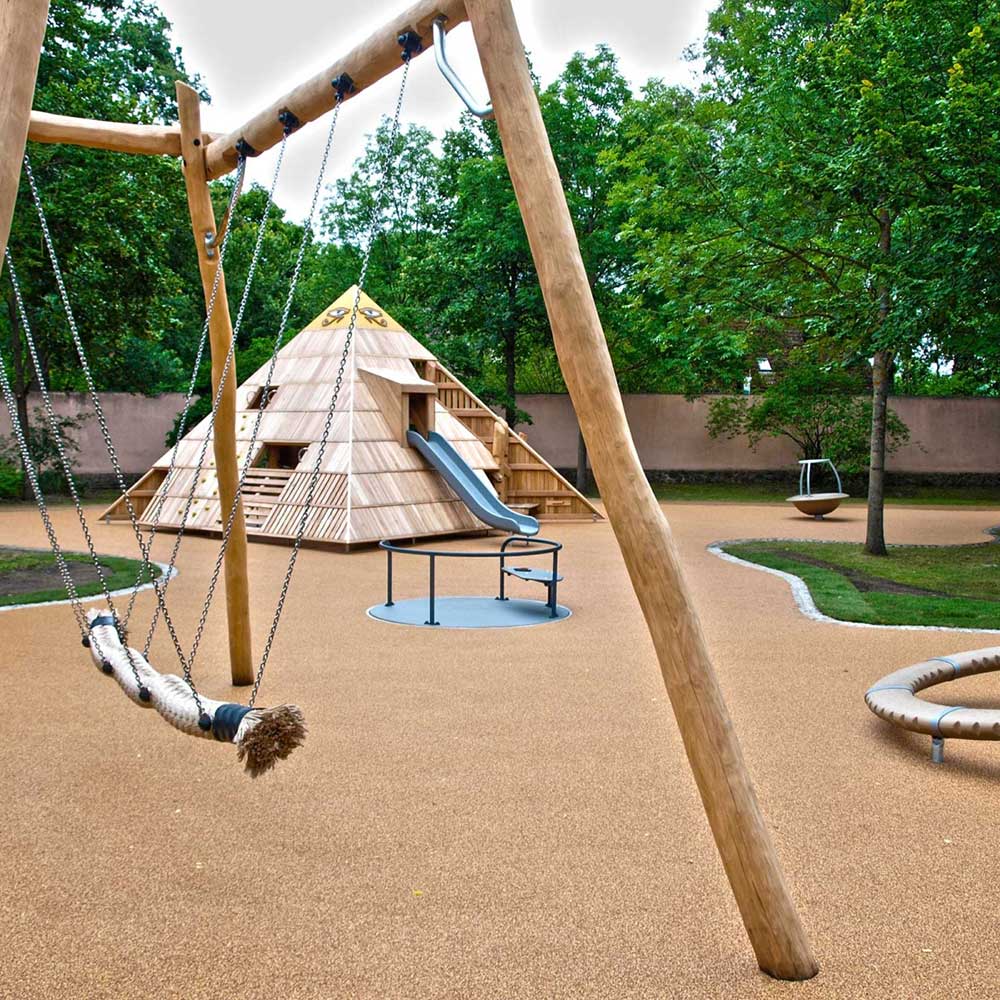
(372, 484)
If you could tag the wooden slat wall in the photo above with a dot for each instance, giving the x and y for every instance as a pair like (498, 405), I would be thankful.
(370, 485)
(532, 481)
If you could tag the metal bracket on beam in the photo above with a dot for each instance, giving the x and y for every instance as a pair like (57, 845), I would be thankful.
(245, 149)
(343, 85)
(479, 110)
(289, 120)
(411, 44)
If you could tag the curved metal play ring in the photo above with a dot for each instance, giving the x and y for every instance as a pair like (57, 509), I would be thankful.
(894, 699)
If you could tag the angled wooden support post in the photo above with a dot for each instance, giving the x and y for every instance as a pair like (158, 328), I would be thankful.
(220, 337)
(741, 836)
(22, 29)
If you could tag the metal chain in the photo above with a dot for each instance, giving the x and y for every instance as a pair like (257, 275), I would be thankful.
(53, 422)
(96, 402)
(67, 467)
(314, 475)
(228, 364)
(43, 510)
(185, 412)
(105, 432)
(203, 451)
(266, 388)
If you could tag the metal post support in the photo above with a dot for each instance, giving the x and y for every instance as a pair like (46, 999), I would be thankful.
(554, 585)
(431, 620)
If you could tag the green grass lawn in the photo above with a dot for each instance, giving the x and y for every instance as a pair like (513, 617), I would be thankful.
(30, 576)
(956, 585)
(769, 492)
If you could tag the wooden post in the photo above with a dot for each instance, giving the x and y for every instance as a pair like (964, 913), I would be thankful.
(501, 448)
(741, 836)
(22, 29)
(220, 337)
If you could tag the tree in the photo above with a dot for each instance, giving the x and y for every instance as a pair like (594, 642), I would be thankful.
(821, 409)
(808, 187)
(119, 222)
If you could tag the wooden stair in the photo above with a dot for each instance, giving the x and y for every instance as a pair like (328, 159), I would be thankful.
(261, 489)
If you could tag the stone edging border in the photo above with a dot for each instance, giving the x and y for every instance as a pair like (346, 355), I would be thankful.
(167, 574)
(807, 606)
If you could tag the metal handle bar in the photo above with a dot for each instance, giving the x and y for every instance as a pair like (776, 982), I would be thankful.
(479, 110)
(546, 546)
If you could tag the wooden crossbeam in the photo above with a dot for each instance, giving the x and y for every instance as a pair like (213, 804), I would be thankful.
(120, 137)
(366, 64)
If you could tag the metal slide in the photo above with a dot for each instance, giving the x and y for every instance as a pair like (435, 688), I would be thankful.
(466, 482)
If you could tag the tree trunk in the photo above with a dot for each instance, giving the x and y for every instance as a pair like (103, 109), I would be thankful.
(875, 539)
(881, 379)
(581, 463)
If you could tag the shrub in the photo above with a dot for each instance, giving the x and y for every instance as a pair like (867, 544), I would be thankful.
(11, 480)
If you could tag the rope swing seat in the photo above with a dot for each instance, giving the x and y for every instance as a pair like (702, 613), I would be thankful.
(262, 736)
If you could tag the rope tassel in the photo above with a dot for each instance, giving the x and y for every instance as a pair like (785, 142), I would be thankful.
(262, 736)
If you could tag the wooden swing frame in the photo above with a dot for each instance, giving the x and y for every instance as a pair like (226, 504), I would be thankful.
(643, 533)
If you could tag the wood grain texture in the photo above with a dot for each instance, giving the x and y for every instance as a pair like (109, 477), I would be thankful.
(372, 484)
(644, 536)
(119, 137)
(224, 437)
(22, 29)
(373, 59)
(552, 492)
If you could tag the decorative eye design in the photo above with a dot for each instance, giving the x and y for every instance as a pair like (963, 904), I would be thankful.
(335, 315)
(373, 314)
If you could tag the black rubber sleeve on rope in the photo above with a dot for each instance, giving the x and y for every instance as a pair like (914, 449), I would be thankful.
(226, 721)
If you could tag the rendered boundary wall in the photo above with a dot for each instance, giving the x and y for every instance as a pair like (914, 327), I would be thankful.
(948, 436)
(138, 425)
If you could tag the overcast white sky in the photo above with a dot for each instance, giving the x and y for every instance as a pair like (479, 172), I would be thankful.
(250, 52)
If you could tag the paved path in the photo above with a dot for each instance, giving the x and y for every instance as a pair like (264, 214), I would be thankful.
(489, 814)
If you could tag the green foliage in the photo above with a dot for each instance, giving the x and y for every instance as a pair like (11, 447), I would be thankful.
(818, 408)
(11, 481)
(43, 445)
(829, 193)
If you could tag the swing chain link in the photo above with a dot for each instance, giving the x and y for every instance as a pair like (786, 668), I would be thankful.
(182, 422)
(144, 545)
(53, 422)
(227, 366)
(29, 471)
(200, 464)
(99, 410)
(388, 162)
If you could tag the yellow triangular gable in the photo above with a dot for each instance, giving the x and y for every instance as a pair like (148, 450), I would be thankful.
(337, 315)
